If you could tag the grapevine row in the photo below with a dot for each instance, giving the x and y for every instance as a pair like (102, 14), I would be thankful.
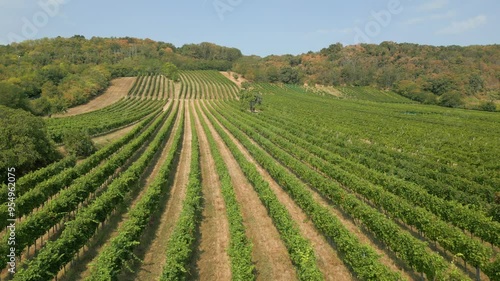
(240, 249)
(69, 199)
(299, 248)
(408, 248)
(57, 253)
(28, 181)
(362, 259)
(449, 237)
(108, 264)
(181, 242)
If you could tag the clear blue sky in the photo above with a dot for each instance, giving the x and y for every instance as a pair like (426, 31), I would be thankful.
(258, 26)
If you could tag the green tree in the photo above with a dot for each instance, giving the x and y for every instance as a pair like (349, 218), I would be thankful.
(476, 84)
(171, 71)
(41, 106)
(289, 75)
(250, 99)
(79, 143)
(24, 141)
(451, 99)
(440, 85)
(12, 96)
(272, 74)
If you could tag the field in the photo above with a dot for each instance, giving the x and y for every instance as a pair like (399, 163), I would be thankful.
(363, 185)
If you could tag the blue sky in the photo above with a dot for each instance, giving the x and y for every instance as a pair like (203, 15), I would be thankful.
(258, 26)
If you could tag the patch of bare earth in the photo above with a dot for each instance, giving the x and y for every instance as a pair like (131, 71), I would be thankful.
(153, 253)
(330, 90)
(269, 254)
(229, 75)
(103, 140)
(328, 261)
(213, 262)
(119, 88)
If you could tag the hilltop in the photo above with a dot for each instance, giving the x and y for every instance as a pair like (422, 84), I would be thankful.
(50, 75)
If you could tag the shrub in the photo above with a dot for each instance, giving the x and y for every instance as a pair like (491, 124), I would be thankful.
(79, 143)
(488, 106)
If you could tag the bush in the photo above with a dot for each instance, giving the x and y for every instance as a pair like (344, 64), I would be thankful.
(79, 143)
(451, 99)
(488, 106)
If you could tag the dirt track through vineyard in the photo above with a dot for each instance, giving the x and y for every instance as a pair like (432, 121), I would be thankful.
(213, 262)
(106, 139)
(269, 254)
(119, 88)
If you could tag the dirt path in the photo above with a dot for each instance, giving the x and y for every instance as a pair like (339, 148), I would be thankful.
(103, 140)
(154, 253)
(119, 88)
(387, 258)
(269, 254)
(213, 262)
(229, 75)
(328, 261)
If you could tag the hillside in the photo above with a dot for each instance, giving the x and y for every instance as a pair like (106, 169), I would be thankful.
(451, 76)
(308, 185)
(48, 76)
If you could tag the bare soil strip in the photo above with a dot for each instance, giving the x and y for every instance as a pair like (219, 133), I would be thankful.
(328, 261)
(153, 255)
(330, 90)
(229, 75)
(119, 88)
(387, 258)
(270, 255)
(106, 139)
(213, 262)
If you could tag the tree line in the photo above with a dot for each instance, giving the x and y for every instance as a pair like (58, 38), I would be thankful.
(451, 76)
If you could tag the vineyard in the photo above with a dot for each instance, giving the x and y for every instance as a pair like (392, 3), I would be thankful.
(309, 187)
